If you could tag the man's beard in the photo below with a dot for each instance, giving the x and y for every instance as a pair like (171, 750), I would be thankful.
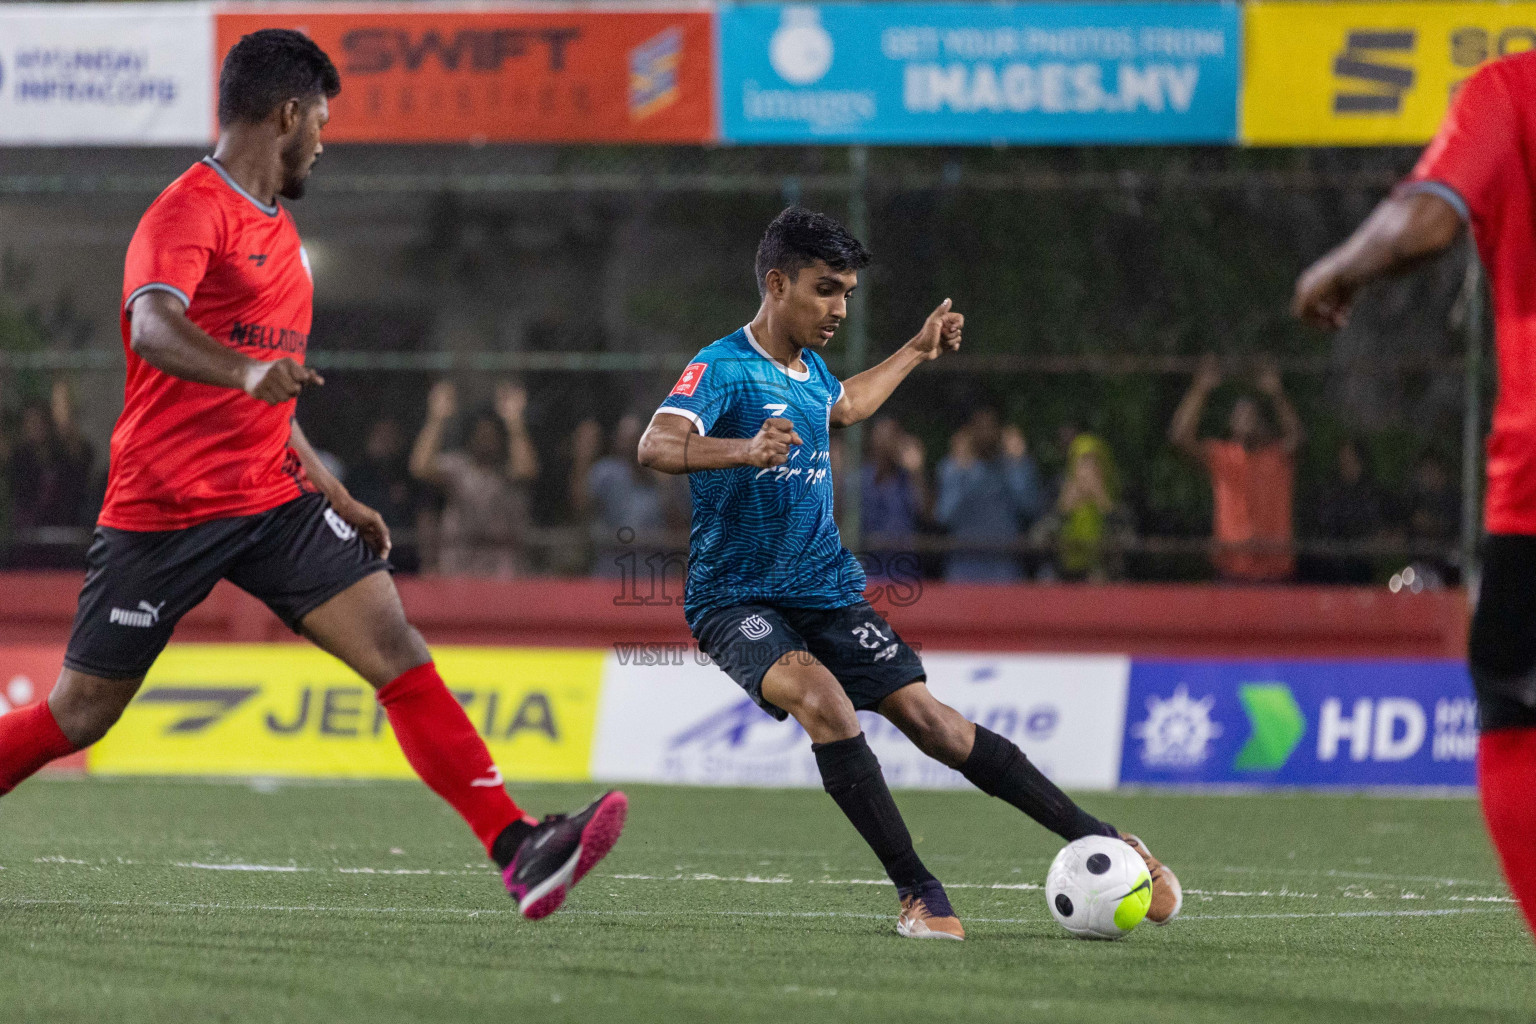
(293, 178)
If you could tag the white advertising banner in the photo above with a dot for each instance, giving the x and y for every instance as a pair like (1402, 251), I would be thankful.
(106, 74)
(680, 721)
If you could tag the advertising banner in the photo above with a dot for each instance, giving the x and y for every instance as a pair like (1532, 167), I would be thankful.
(670, 716)
(285, 710)
(1367, 73)
(1367, 723)
(534, 73)
(105, 74)
(979, 73)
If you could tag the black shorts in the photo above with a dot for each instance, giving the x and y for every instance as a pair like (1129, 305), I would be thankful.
(1501, 651)
(138, 585)
(855, 643)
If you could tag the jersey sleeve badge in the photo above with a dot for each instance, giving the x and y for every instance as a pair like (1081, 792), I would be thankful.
(688, 383)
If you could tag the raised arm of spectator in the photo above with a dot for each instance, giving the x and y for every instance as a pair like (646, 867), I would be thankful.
(442, 402)
(585, 444)
(864, 393)
(511, 405)
(162, 336)
(1291, 431)
(1022, 477)
(1184, 431)
(957, 477)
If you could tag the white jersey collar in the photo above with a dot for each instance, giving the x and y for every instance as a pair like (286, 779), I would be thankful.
(804, 374)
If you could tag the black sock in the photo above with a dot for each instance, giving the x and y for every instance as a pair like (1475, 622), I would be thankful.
(999, 768)
(851, 774)
(506, 844)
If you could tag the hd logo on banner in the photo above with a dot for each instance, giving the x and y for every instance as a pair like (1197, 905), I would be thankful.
(1379, 723)
(973, 73)
(1367, 73)
(286, 710)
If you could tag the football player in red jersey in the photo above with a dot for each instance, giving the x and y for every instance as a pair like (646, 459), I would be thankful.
(211, 478)
(1480, 171)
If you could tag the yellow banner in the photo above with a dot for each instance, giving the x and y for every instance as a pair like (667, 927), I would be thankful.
(294, 711)
(1367, 74)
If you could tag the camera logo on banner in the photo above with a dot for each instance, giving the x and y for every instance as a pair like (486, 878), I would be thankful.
(801, 49)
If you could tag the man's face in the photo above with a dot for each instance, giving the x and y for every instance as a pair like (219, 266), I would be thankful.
(813, 303)
(1247, 424)
(986, 432)
(303, 147)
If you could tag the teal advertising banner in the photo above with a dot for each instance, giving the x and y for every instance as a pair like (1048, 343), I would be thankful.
(979, 73)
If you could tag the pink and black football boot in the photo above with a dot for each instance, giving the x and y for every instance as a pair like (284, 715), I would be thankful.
(559, 852)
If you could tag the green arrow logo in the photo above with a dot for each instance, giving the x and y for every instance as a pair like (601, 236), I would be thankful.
(1277, 726)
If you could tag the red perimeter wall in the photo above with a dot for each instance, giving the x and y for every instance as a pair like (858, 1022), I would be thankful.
(1142, 620)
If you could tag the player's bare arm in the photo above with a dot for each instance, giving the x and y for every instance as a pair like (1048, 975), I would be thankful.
(162, 336)
(367, 521)
(1403, 229)
(864, 393)
(672, 445)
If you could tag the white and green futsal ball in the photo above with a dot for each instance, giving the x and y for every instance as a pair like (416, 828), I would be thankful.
(1098, 888)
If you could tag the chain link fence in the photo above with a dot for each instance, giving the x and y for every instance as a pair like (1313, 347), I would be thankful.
(1094, 282)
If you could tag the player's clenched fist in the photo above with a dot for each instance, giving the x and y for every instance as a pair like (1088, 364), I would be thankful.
(940, 333)
(771, 445)
(279, 380)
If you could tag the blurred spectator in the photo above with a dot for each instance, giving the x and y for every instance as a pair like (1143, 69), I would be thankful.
(1089, 525)
(893, 494)
(49, 471)
(1252, 475)
(1350, 509)
(1431, 520)
(381, 479)
(628, 506)
(485, 520)
(989, 493)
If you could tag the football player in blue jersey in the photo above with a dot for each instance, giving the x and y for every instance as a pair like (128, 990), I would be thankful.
(775, 599)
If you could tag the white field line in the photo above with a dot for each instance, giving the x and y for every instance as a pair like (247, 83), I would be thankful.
(473, 913)
(1208, 894)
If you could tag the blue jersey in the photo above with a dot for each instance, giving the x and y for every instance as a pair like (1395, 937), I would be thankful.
(763, 534)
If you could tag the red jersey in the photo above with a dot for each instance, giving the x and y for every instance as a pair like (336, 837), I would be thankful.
(186, 453)
(1484, 162)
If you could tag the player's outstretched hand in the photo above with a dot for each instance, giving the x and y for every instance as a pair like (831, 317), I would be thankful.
(940, 333)
(771, 445)
(1322, 296)
(279, 380)
(367, 522)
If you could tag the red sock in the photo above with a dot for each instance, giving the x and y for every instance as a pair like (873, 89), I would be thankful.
(438, 741)
(1506, 775)
(29, 738)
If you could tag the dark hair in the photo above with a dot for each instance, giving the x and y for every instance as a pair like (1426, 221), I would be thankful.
(798, 238)
(268, 68)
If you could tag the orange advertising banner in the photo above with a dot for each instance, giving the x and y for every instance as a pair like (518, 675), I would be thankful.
(413, 73)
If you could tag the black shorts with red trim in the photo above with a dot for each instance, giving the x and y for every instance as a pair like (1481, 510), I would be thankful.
(1501, 651)
(138, 585)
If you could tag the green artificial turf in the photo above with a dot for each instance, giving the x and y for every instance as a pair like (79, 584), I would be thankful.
(733, 905)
